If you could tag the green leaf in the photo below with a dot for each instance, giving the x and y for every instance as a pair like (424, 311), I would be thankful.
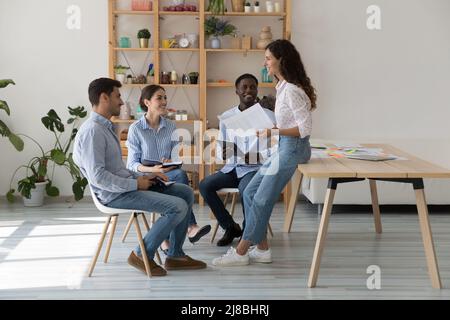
(71, 120)
(16, 141)
(58, 156)
(52, 191)
(5, 82)
(4, 130)
(10, 196)
(4, 106)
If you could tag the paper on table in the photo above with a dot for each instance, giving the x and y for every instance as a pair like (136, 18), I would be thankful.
(252, 118)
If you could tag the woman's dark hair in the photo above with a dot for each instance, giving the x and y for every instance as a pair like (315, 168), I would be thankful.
(291, 67)
(99, 86)
(147, 93)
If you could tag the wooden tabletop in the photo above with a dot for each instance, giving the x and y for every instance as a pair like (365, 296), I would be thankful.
(412, 167)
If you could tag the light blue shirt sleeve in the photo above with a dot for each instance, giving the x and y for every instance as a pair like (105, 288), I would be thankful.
(94, 158)
(134, 149)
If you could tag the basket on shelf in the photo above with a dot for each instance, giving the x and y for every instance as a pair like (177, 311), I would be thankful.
(141, 5)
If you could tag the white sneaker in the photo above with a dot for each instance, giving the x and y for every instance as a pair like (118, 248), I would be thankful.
(231, 258)
(260, 256)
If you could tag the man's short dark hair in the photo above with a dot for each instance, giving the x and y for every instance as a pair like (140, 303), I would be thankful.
(99, 86)
(245, 76)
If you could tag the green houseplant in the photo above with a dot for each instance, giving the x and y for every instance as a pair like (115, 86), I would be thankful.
(193, 77)
(216, 7)
(215, 28)
(36, 169)
(119, 72)
(143, 36)
(16, 141)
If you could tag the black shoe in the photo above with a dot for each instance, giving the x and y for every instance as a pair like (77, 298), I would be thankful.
(200, 233)
(231, 233)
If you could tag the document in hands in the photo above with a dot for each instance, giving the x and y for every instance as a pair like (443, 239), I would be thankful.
(252, 118)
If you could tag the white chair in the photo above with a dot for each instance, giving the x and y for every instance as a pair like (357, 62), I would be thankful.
(234, 192)
(113, 214)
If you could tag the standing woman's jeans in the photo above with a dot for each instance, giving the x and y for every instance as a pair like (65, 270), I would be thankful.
(265, 188)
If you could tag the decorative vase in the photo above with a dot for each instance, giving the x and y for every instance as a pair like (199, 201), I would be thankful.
(247, 9)
(120, 77)
(215, 43)
(265, 37)
(256, 9)
(37, 195)
(237, 5)
(143, 43)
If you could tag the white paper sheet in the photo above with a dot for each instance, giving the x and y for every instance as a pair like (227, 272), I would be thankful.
(253, 118)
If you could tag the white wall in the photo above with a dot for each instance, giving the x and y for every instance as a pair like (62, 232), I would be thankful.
(387, 85)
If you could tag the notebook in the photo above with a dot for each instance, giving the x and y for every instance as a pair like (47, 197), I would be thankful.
(152, 163)
(370, 157)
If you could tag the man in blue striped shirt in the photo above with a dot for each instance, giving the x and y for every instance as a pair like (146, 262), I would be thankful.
(97, 152)
(238, 170)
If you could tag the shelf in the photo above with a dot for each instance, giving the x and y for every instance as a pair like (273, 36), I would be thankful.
(231, 84)
(138, 85)
(250, 14)
(180, 49)
(133, 12)
(235, 50)
(134, 49)
(130, 121)
(179, 13)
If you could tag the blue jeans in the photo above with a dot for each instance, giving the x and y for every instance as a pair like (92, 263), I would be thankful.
(173, 203)
(180, 176)
(266, 186)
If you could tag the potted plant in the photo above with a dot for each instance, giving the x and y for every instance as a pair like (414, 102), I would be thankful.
(193, 77)
(119, 72)
(143, 36)
(256, 6)
(4, 130)
(215, 28)
(37, 176)
(248, 7)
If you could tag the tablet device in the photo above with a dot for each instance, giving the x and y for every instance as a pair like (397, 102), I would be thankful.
(370, 157)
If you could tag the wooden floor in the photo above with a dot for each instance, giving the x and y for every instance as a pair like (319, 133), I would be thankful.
(45, 253)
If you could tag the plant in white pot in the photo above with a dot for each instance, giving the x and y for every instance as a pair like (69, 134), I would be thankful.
(143, 36)
(215, 28)
(119, 72)
(37, 178)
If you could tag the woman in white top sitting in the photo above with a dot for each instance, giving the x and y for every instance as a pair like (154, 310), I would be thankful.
(153, 138)
(295, 101)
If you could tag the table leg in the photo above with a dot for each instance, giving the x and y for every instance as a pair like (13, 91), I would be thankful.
(295, 188)
(375, 206)
(321, 236)
(427, 239)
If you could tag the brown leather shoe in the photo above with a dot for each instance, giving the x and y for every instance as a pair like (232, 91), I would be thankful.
(183, 263)
(137, 262)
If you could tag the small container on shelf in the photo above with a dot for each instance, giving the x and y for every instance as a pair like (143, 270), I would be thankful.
(247, 7)
(141, 5)
(246, 42)
(256, 7)
(173, 77)
(165, 78)
(269, 6)
(277, 7)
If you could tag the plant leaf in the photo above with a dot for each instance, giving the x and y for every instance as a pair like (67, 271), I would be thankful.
(10, 195)
(78, 188)
(5, 82)
(4, 130)
(16, 141)
(52, 191)
(4, 106)
(58, 156)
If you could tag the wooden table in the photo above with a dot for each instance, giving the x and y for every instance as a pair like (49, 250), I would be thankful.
(344, 170)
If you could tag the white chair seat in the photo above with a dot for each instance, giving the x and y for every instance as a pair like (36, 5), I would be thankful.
(229, 190)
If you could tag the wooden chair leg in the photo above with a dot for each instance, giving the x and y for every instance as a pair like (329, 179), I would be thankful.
(216, 227)
(375, 206)
(427, 239)
(295, 188)
(233, 203)
(142, 245)
(111, 236)
(99, 246)
(321, 236)
(127, 229)
(147, 227)
(269, 227)
(153, 218)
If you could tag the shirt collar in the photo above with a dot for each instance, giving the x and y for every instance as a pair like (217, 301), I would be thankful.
(280, 85)
(144, 124)
(101, 120)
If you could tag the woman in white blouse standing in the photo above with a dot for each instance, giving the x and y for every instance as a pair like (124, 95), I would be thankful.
(296, 99)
